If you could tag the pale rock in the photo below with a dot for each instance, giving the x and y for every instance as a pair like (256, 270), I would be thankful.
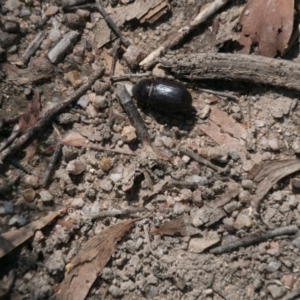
(128, 134)
(76, 167)
(198, 245)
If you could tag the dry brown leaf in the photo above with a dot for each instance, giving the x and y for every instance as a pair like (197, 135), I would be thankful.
(267, 26)
(180, 225)
(224, 130)
(269, 174)
(12, 239)
(74, 139)
(90, 261)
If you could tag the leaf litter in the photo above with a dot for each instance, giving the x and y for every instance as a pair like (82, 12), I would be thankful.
(266, 26)
(90, 261)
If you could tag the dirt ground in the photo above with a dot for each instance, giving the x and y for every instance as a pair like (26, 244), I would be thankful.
(261, 122)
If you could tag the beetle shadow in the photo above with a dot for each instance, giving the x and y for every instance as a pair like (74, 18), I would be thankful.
(184, 121)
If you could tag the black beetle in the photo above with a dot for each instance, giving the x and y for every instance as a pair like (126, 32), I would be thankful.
(163, 94)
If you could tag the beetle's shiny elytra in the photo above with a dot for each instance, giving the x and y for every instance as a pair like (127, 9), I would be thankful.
(163, 94)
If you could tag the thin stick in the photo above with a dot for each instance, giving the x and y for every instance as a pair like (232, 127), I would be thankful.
(129, 76)
(199, 159)
(111, 24)
(11, 138)
(133, 114)
(114, 53)
(174, 39)
(117, 212)
(222, 94)
(258, 238)
(52, 164)
(48, 116)
(33, 46)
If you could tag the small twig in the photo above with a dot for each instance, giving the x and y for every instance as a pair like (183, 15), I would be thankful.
(52, 164)
(258, 238)
(184, 31)
(147, 238)
(129, 76)
(11, 138)
(48, 116)
(117, 212)
(18, 165)
(33, 46)
(133, 114)
(111, 24)
(199, 159)
(114, 53)
(222, 94)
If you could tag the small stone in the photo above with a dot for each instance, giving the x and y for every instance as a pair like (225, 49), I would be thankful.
(54, 35)
(77, 203)
(91, 111)
(273, 144)
(277, 196)
(276, 291)
(83, 101)
(296, 146)
(197, 198)
(25, 12)
(218, 153)
(100, 102)
(7, 39)
(17, 220)
(139, 243)
(229, 224)
(181, 207)
(288, 280)
(133, 56)
(245, 197)
(168, 141)
(55, 263)
(234, 154)
(11, 26)
(115, 177)
(106, 185)
(266, 156)
(115, 291)
(296, 242)
(51, 11)
(198, 245)
(75, 167)
(151, 292)
(9, 207)
(186, 194)
(204, 113)
(248, 184)
(73, 21)
(201, 180)
(105, 164)
(29, 195)
(231, 206)
(12, 4)
(46, 44)
(208, 292)
(31, 181)
(128, 134)
(273, 266)
(46, 196)
(74, 78)
(186, 159)
(295, 182)
(100, 87)
(243, 221)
